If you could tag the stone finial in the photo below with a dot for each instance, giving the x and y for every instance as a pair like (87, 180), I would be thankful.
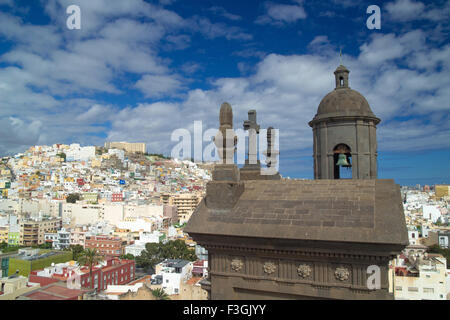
(226, 139)
(226, 115)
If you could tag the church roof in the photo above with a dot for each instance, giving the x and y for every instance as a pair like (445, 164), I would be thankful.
(361, 211)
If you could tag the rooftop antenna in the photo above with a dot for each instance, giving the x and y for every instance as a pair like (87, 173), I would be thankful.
(340, 55)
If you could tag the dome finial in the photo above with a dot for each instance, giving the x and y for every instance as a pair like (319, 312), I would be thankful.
(341, 75)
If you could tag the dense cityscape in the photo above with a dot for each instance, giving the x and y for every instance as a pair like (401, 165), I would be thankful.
(60, 199)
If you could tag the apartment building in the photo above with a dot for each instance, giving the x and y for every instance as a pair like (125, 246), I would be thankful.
(186, 204)
(32, 232)
(106, 245)
(62, 240)
(78, 236)
(422, 278)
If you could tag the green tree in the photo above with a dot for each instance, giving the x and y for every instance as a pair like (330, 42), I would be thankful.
(73, 198)
(62, 155)
(76, 251)
(90, 258)
(46, 245)
(127, 256)
(160, 294)
(154, 253)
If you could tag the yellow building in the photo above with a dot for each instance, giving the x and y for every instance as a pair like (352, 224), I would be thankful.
(4, 231)
(186, 204)
(96, 163)
(129, 147)
(442, 190)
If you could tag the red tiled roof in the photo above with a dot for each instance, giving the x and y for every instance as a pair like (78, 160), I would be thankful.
(63, 291)
(141, 280)
(43, 281)
(43, 296)
(55, 292)
(193, 280)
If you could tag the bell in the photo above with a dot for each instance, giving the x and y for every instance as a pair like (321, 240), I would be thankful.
(342, 161)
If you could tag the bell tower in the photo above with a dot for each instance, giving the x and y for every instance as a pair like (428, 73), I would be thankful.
(344, 131)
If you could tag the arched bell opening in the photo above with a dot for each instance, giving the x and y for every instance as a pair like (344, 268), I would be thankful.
(342, 161)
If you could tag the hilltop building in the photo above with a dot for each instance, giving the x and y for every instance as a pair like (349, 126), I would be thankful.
(128, 147)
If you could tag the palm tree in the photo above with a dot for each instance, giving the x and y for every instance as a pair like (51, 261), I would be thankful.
(160, 294)
(90, 258)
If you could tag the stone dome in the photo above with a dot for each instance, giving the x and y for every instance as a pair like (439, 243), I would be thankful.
(344, 101)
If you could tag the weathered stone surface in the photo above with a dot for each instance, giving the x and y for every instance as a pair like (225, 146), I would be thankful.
(225, 172)
(223, 194)
(353, 216)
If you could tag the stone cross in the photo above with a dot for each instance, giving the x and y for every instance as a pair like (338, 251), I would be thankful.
(271, 153)
(252, 127)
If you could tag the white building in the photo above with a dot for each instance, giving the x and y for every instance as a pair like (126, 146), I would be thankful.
(413, 236)
(139, 245)
(431, 212)
(173, 273)
(62, 240)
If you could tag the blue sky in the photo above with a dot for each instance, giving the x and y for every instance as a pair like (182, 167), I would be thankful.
(137, 70)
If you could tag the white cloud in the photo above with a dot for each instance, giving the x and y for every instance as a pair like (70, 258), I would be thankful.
(16, 135)
(157, 86)
(280, 14)
(224, 13)
(213, 30)
(36, 94)
(410, 10)
(405, 10)
(286, 91)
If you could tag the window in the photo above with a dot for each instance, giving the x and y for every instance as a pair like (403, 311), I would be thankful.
(398, 288)
(428, 290)
(413, 289)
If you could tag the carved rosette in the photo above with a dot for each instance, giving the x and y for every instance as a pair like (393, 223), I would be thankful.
(304, 271)
(342, 274)
(236, 265)
(269, 267)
